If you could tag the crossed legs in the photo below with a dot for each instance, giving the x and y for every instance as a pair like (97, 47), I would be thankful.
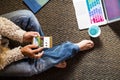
(28, 67)
(83, 45)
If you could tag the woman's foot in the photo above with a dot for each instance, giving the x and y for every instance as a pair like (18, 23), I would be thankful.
(85, 45)
(61, 65)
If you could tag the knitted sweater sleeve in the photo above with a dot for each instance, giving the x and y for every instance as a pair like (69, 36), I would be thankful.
(10, 30)
(8, 56)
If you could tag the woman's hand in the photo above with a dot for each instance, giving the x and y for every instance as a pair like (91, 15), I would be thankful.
(32, 51)
(28, 36)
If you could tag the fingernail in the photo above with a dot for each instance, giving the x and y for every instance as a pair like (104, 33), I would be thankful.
(35, 35)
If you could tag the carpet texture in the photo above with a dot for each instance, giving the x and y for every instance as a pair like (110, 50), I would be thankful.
(57, 19)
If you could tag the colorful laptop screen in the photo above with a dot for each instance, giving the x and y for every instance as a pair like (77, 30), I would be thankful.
(112, 8)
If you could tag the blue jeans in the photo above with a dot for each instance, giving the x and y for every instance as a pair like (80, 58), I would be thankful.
(52, 56)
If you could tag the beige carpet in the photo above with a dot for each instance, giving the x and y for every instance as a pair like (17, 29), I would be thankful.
(57, 19)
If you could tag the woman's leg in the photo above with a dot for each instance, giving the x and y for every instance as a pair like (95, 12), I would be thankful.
(25, 19)
(51, 57)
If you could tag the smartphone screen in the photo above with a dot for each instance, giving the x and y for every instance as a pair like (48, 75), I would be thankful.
(45, 41)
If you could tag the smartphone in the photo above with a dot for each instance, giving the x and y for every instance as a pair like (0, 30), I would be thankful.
(35, 5)
(43, 41)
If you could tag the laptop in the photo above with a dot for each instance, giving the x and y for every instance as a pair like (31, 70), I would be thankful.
(96, 12)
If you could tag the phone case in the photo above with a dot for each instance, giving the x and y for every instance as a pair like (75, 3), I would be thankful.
(35, 5)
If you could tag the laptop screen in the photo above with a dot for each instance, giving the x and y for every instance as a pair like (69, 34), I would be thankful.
(112, 10)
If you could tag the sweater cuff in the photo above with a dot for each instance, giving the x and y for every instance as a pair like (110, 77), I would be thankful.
(10, 56)
(21, 34)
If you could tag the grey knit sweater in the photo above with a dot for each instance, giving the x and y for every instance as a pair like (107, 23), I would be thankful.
(12, 31)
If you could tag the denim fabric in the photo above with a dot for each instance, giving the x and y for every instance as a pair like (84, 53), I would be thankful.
(25, 19)
(52, 56)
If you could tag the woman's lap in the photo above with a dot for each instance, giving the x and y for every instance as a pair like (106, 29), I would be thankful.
(52, 56)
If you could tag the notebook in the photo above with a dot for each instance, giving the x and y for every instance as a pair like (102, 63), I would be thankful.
(35, 5)
(96, 12)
